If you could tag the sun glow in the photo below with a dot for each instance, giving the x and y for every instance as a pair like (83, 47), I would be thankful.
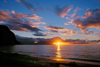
(60, 43)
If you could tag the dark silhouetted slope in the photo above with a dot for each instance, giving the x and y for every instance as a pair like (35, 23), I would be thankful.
(6, 36)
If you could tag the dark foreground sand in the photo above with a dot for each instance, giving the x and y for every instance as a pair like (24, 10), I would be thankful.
(17, 60)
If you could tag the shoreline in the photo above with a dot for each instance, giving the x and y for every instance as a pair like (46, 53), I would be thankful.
(15, 59)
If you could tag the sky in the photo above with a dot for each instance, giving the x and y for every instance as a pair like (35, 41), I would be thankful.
(68, 19)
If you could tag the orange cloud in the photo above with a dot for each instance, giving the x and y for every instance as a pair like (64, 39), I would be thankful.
(68, 32)
(5, 15)
(88, 14)
(73, 32)
(89, 35)
(67, 18)
(66, 24)
(77, 8)
(73, 15)
(34, 16)
(43, 22)
(96, 36)
(1, 21)
(27, 16)
(13, 12)
(37, 22)
(71, 21)
(46, 32)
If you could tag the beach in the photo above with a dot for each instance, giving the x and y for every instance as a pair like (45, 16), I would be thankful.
(15, 60)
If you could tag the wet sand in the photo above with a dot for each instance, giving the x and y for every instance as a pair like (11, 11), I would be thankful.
(16, 60)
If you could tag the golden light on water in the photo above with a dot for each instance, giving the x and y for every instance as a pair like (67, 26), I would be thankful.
(58, 48)
(58, 52)
(58, 56)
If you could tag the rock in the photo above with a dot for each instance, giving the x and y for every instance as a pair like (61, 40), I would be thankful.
(6, 36)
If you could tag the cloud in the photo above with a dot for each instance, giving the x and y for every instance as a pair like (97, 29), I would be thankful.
(35, 24)
(68, 32)
(1, 21)
(43, 22)
(93, 10)
(27, 16)
(21, 27)
(4, 15)
(77, 8)
(71, 21)
(39, 34)
(62, 12)
(46, 32)
(67, 18)
(73, 15)
(30, 6)
(73, 32)
(13, 12)
(34, 16)
(96, 36)
(88, 14)
(92, 20)
(18, 21)
(89, 35)
(54, 28)
(56, 31)
(66, 24)
(89, 32)
(96, 32)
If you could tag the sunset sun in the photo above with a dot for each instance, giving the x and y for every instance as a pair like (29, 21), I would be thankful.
(58, 43)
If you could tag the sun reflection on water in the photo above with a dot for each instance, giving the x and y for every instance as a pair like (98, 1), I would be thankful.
(58, 52)
(58, 56)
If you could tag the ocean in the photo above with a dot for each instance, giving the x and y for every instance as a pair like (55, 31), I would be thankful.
(76, 52)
